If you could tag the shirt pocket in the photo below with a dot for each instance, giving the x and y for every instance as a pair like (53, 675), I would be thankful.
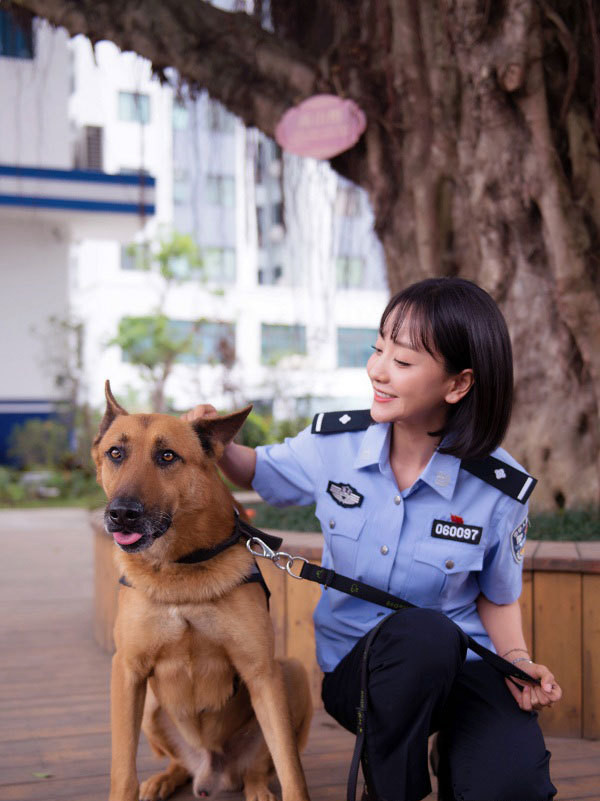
(440, 571)
(342, 527)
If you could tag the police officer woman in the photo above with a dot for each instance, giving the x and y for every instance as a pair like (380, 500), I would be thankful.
(416, 498)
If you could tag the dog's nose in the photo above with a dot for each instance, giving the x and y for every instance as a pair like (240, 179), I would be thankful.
(125, 511)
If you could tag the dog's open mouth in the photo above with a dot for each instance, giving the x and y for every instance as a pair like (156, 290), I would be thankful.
(126, 538)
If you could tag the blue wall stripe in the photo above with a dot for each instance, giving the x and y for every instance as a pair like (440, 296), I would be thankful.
(76, 205)
(90, 176)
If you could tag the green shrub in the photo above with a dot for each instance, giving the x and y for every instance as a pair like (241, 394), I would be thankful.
(567, 524)
(255, 431)
(39, 443)
(11, 491)
(288, 428)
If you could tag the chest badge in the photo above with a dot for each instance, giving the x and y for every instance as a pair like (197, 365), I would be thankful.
(344, 494)
(459, 532)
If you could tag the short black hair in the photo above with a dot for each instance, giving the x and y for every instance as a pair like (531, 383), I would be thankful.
(457, 321)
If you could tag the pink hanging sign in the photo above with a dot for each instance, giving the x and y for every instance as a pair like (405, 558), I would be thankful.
(321, 127)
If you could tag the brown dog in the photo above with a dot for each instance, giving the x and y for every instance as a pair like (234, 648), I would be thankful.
(194, 665)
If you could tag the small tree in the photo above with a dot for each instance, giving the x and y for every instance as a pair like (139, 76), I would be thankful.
(154, 343)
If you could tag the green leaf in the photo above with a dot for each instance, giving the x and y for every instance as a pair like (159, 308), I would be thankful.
(42, 775)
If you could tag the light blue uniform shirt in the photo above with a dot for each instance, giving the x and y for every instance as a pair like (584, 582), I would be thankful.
(389, 538)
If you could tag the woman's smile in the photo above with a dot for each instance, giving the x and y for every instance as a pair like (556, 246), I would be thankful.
(381, 396)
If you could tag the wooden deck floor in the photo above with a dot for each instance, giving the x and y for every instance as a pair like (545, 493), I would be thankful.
(54, 730)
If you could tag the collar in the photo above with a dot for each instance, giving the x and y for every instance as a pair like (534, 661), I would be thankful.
(242, 532)
(440, 474)
(374, 446)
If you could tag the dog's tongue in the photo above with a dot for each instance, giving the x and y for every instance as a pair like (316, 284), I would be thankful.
(126, 539)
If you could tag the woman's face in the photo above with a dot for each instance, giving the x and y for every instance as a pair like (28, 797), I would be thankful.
(411, 386)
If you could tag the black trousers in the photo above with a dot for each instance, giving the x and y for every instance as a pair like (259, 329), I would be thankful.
(419, 683)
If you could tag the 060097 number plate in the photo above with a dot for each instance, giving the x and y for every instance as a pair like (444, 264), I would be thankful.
(459, 532)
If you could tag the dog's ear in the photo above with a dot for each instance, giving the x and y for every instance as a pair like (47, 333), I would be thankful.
(113, 409)
(217, 432)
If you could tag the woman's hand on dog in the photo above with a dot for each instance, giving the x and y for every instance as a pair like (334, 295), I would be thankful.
(238, 462)
(204, 411)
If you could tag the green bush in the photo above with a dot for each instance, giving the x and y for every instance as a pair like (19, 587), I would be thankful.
(290, 518)
(255, 431)
(39, 443)
(567, 524)
(288, 428)
(261, 429)
(11, 491)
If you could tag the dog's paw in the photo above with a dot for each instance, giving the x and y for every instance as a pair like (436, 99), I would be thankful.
(259, 793)
(158, 787)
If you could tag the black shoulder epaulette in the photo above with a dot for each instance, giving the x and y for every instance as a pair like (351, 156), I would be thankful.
(334, 422)
(502, 476)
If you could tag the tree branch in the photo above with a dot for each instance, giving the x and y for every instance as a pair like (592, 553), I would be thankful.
(255, 73)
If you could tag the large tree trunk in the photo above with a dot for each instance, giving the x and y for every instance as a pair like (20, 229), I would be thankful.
(480, 157)
(483, 194)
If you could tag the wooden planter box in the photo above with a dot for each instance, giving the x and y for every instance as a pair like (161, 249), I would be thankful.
(560, 602)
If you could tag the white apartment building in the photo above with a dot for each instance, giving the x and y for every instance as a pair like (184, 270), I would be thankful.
(46, 205)
(292, 279)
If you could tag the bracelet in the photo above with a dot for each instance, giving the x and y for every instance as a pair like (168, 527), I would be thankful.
(524, 650)
(522, 659)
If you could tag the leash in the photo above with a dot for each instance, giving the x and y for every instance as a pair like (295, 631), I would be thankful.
(358, 589)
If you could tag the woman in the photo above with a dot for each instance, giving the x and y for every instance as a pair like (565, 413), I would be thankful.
(405, 506)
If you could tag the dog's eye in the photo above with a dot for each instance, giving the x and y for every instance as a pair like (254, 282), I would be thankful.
(115, 454)
(166, 457)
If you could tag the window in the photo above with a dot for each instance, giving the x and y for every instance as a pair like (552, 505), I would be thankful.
(16, 38)
(181, 186)
(354, 346)
(180, 115)
(278, 218)
(347, 201)
(134, 107)
(220, 190)
(219, 265)
(135, 256)
(134, 171)
(261, 226)
(204, 342)
(350, 272)
(268, 276)
(278, 341)
(212, 343)
(88, 149)
(218, 118)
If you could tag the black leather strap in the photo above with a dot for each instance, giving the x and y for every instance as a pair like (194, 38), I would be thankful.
(329, 578)
(361, 717)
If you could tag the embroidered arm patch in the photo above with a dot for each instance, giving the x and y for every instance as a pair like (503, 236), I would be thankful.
(517, 540)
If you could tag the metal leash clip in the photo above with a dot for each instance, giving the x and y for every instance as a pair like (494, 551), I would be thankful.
(274, 556)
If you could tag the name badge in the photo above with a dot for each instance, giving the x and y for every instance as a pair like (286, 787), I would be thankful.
(460, 532)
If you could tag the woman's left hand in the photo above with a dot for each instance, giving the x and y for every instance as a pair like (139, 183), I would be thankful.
(530, 697)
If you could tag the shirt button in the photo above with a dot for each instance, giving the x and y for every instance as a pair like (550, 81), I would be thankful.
(384, 549)
(332, 523)
(449, 564)
(397, 500)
